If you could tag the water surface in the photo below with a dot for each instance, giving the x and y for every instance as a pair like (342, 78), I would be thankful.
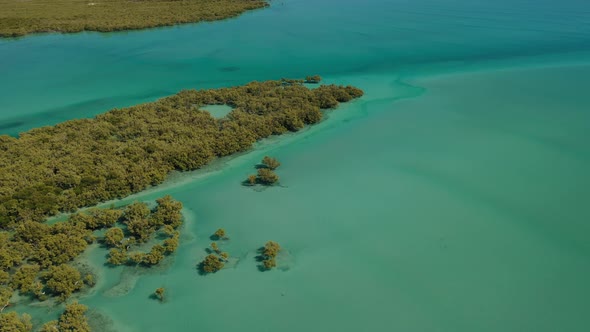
(452, 197)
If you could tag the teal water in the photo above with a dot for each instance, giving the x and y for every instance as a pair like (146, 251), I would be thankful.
(217, 111)
(47, 79)
(454, 196)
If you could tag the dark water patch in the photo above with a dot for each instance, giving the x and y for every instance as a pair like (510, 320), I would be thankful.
(84, 109)
(99, 322)
(229, 69)
(454, 57)
(11, 125)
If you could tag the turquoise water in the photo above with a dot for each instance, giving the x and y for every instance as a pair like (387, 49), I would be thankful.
(452, 197)
(217, 111)
(47, 79)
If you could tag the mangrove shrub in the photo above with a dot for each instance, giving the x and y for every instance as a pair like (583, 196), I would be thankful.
(211, 264)
(270, 163)
(12, 322)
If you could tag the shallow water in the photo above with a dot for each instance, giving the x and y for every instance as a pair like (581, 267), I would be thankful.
(47, 79)
(452, 197)
(217, 111)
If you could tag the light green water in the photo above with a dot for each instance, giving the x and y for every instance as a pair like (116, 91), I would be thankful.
(454, 196)
(217, 111)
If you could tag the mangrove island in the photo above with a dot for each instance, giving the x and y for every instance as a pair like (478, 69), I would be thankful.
(18, 18)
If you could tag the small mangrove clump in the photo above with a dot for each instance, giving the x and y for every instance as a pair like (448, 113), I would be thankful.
(215, 247)
(117, 257)
(5, 295)
(63, 280)
(72, 319)
(268, 255)
(172, 243)
(315, 79)
(219, 235)
(89, 280)
(269, 263)
(159, 294)
(266, 175)
(271, 249)
(142, 223)
(114, 237)
(270, 163)
(155, 256)
(252, 179)
(211, 264)
(216, 258)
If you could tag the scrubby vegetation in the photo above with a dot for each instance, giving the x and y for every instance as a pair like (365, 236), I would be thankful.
(63, 280)
(251, 180)
(82, 162)
(36, 259)
(211, 264)
(142, 223)
(219, 235)
(72, 319)
(22, 17)
(12, 322)
(270, 163)
(315, 79)
(265, 175)
(114, 237)
(268, 255)
(216, 259)
(215, 248)
(159, 294)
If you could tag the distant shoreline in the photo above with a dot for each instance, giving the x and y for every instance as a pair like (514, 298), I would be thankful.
(41, 16)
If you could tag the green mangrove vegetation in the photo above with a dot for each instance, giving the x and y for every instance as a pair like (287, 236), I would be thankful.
(141, 225)
(315, 79)
(266, 177)
(159, 294)
(215, 248)
(219, 235)
(83, 162)
(19, 18)
(211, 264)
(265, 174)
(270, 163)
(12, 322)
(72, 319)
(268, 255)
(114, 237)
(37, 260)
(216, 258)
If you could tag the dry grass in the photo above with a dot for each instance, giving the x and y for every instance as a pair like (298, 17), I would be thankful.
(21, 17)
